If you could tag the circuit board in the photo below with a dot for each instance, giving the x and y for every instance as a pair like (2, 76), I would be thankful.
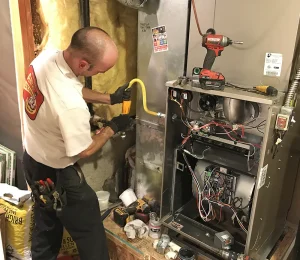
(220, 183)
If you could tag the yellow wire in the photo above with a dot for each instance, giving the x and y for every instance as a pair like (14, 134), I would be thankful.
(142, 85)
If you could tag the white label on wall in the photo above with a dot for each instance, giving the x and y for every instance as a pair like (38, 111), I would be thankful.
(273, 64)
(262, 177)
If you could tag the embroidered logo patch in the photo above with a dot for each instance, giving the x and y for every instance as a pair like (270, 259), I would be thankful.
(33, 97)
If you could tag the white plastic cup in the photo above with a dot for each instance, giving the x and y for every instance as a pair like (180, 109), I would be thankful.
(128, 197)
(103, 197)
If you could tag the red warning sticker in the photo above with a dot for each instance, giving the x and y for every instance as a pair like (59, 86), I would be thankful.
(159, 37)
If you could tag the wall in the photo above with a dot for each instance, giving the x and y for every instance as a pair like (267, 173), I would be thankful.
(263, 26)
(10, 126)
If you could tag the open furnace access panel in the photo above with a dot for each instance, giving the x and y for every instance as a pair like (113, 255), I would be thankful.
(219, 150)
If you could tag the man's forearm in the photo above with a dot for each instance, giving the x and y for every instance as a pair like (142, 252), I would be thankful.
(99, 141)
(92, 96)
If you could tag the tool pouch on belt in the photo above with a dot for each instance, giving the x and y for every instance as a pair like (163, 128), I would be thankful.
(49, 196)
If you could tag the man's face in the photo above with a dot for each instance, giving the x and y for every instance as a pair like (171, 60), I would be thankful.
(102, 65)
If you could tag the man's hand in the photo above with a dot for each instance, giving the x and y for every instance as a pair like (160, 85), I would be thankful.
(119, 123)
(121, 94)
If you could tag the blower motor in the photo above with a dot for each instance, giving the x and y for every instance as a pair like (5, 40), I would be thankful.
(136, 4)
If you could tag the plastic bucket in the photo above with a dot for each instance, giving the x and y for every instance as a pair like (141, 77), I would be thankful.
(103, 197)
(128, 197)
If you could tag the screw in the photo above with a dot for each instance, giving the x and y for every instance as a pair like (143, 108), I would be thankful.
(278, 168)
(207, 234)
(261, 219)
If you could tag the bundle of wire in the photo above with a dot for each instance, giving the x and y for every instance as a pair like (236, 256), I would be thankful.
(211, 197)
(196, 128)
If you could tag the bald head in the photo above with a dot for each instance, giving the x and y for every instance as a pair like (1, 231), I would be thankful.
(91, 51)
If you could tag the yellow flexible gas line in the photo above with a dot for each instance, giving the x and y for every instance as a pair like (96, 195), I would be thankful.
(127, 103)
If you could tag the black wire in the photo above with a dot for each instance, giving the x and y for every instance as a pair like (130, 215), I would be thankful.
(260, 131)
(251, 121)
(241, 202)
(262, 123)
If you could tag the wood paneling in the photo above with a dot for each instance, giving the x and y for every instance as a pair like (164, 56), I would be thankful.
(27, 31)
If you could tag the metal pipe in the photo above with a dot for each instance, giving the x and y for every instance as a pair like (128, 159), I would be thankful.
(136, 4)
(186, 55)
(85, 12)
(85, 22)
(292, 90)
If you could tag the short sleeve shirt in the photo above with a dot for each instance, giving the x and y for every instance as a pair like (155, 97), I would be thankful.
(56, 118)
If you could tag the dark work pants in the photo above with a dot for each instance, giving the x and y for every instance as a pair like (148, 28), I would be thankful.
(81, 216)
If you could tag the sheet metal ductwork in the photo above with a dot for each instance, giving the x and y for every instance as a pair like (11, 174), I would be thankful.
(136, 4)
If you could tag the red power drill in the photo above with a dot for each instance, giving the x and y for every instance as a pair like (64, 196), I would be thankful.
(214, 44)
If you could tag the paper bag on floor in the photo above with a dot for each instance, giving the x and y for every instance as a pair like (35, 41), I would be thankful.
(19, 225)
(68, 246)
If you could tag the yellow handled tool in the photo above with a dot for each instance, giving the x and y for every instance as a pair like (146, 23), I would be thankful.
(127, 103)
(268, 90)
(126, 107)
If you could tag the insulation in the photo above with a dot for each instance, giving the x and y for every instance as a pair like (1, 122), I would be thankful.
(120, 22)
(57, 20)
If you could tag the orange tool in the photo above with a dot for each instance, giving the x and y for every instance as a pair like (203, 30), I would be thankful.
(126, 105)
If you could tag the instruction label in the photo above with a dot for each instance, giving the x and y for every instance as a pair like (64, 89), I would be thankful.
(160, 39)
(273, 64)
(263, 175)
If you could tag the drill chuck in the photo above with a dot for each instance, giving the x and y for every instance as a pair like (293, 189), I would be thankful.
(237, 42)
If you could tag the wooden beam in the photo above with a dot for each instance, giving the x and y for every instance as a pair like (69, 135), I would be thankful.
(284, 245)
(27, 32)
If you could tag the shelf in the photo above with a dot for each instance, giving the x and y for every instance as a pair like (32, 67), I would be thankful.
(233, 93)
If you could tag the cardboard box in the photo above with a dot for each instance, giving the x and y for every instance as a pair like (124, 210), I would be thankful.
(2, 229)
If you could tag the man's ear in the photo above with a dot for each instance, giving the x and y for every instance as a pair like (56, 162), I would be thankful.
(84, 65)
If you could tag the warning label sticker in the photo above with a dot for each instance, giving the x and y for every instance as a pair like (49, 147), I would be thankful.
(262, 177)
(273, 64)
(159, 37)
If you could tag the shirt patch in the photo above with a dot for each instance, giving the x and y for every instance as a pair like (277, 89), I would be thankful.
(33, 97)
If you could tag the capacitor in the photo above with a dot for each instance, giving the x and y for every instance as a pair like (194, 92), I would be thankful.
(154, 226)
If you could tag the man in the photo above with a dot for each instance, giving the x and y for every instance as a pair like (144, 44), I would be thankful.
(57, 134)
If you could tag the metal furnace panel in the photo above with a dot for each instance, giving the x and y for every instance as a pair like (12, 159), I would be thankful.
(155, 69)
(263, 26)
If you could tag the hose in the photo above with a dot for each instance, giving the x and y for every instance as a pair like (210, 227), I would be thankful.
(196, 17)
(292, 90)
(142, 85)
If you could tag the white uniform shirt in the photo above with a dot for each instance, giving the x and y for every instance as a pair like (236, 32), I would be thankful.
(56, 118)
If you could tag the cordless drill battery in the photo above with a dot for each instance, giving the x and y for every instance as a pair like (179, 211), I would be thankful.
(209, 80)
(121, 217)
